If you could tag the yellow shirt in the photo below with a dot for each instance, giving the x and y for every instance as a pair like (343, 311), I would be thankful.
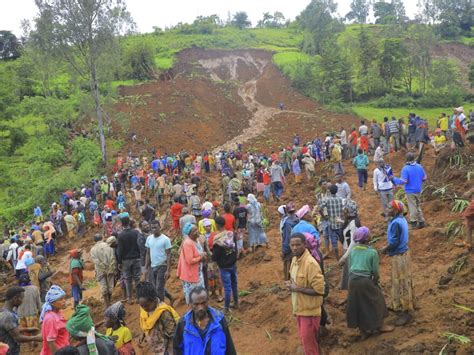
(121, 336)
(201, 229)
(439, 140)
(443, 123)
(306, 273)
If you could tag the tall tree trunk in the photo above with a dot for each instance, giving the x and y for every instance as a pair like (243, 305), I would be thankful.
(95, 92)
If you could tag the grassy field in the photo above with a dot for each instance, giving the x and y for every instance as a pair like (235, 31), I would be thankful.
(430, 114)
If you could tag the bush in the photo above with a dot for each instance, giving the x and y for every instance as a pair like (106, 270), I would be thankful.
(447, 97)
(391, 100)
(43, 149)
(85, 151)
(139, 60)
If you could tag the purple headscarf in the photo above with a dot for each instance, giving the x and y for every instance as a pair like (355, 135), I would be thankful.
(312, 244)
(361, 235)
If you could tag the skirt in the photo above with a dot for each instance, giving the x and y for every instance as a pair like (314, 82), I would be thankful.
(402, 295)
(345, 276)
(365, 304)
(257, 235)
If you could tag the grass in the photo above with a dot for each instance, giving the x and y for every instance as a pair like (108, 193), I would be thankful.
(431, 114)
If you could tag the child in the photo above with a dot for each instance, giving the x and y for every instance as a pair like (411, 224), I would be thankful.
(76, 267)
(116, 329)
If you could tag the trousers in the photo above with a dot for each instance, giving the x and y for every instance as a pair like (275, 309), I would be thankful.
(308, 330)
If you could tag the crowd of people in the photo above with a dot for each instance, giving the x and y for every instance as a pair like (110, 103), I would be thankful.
(210, 229)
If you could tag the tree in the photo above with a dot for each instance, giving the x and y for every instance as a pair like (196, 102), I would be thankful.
(359, 11)
(444, 74)
(319, 25)
(83, 33)
(454, 16)
(392, 61)
(420, 47)
(241, 20)
(389, 13)
(367, 55)
(10, 47)
(268, 20)
(139, 57)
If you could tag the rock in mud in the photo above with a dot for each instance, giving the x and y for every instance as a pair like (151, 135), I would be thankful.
(445, 279)
(267, 258)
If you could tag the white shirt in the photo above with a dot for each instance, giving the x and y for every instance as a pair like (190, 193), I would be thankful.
(363, 130)
(381, 181)
(378, 155)
(343, 137)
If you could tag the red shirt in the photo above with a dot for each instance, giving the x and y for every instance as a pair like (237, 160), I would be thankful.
(76, 271)
(110, 204)
(304, 150)
(54, 329)
(354, 136)
(176, 211)
(229, 221)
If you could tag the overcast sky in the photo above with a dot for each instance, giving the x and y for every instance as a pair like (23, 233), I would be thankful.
(165, 13)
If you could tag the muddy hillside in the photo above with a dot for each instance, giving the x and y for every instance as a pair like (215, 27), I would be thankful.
(216, 100)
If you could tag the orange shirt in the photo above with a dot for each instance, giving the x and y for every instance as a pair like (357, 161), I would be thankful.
(229, 221)
(176, 211)
(354, 137)
(266, 178)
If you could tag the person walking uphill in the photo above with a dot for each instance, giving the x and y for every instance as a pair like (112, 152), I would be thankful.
(224, 253)
(361, 161)
(365, 301)
(307, 290)
(76, 268)
(105, 265)
(402, 294)
(412, 177)
(128, 256)
(203, 329)
(383, 185)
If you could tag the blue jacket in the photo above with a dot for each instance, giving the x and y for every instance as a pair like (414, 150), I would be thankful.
(305, 227)
(216, 340)
(397, 236)
(361, 161)
(290, 222)
(413, 175)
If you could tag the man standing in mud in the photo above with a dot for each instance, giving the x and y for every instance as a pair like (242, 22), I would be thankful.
(307, 289)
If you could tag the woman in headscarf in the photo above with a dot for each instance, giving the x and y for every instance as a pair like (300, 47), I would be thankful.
(116, 329)
(257, 236)
(83, 335)
(157, 320)
(365, 302)
(296, 168)
(313, 244)
(191, 257)
(402, 294)
(53, 327)
(305, 225)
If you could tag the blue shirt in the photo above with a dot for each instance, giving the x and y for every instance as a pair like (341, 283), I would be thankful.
(305, 227)
(397, 236)
(412, 177)
(158, 247)
(361, 161)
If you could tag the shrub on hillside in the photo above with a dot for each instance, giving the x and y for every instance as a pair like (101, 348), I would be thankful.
(139, 60)
(391, 100)
(43, 149)
(85, 151)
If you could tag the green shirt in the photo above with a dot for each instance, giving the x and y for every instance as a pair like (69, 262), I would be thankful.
(364, 260)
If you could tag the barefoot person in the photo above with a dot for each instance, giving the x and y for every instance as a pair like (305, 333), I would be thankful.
(365, 302)
(402, 295)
